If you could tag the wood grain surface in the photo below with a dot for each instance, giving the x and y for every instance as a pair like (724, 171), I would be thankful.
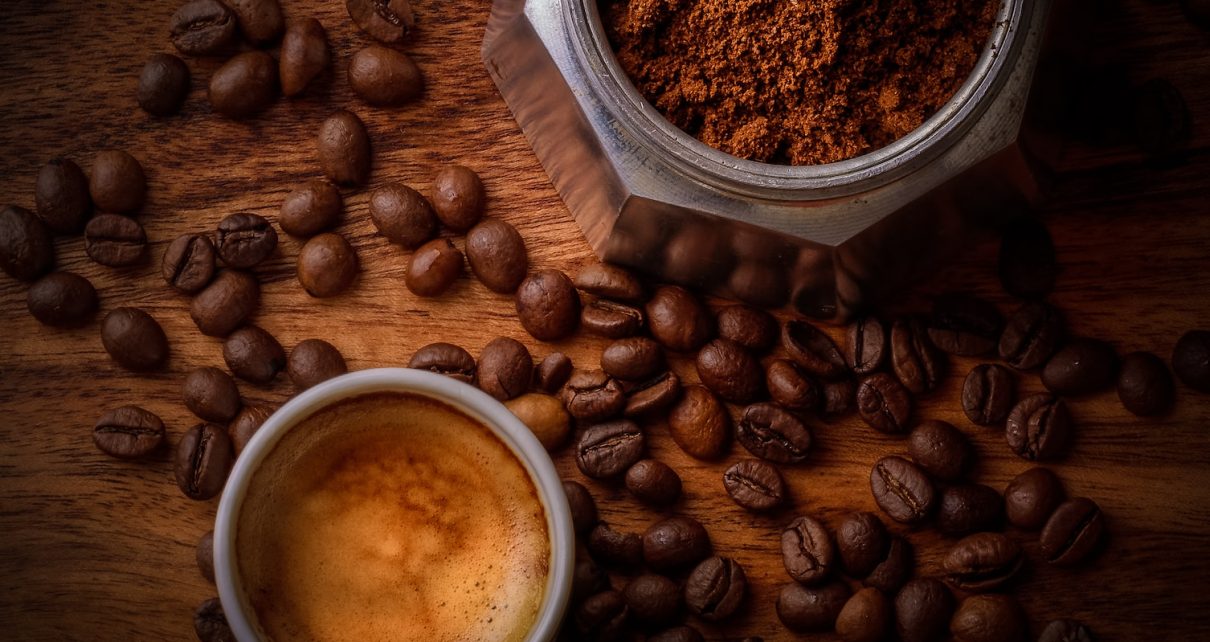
(92, 548)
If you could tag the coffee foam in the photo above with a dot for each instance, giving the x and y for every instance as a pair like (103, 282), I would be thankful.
(393, 517)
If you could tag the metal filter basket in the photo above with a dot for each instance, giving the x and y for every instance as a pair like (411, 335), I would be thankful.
(826, 239)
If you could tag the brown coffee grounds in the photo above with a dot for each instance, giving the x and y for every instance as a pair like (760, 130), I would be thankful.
(802, 82)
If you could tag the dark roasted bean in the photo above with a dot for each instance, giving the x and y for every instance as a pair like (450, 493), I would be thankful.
(674, 543)
(188, 264)
(615, 548)
(653, 599)
(678, 319)
(1031, 497)
(310, 209)
(895, 569)
(755, 485)
(505, 368)
(774, 434)
(545, 417)
(593, 396)
(458, 197)
(603, 617)
(1191, 359)
(609, 319)
(807, 550)
(982, 562)
(62, 300)
(211, 394)
(922, 610)
(386, 78)
(245, 239)
(1081, 367)
(27, 250)
(609, 449)
(884, 404)
(1145, 387)
(919, 366)
(610, 282)
(750, 327)
(1031, 336)
(388, 21)
(202, 28)
(677, 634)
(205, 556)
(314, 361)
(583, 508)
(115, 241)
(128, 432)
(447, 359)
(497, 255)
(812, 349)
(260, 21)
(1073, 532)
(403, 215)
(988, 394)
(244, 86)
(304, 55)
(699, 423)
(988, 618)
(791, 388)
(1039, 428)
(433, 268)
(716, 588)
(806, 610)
(968, 508)
(134, 339)
(344, 154)
(210, 623)
(730, 371)
(940, 450)
(327, 265)
(652, 396)
(548, 305)
(246, 423)
(61, 192)
(253, 354)
(862, 541)
(866, 347)
(866, 617)
(1066, 631)
(203, 459)
(653, 482)
(117, 184)
(902, 490)
(633, 358)
(553, 372)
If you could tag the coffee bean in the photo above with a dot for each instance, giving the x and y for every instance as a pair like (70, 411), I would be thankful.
(1027, 259)
(1031, 497)
(609, 449)
(61, 196)
(633, 358)
(982, 562)
(26, 248)
(1073, 532)
(988, 618)
(862, 541)
(750, 327)
(593, 396)
(895, 569)
(134, 339)
(62, 300)
(653, 599)
(588, 578)
(310, 209)
(128, 432)
(838, 397)
(433, 268)
(211, 394)
(678, 320)
(1190, 359)
(774, 434)
(919, 366)
(548, 305)
(866, 347)
(965, 325)
(163, 85)
(458, 197)
(244, 86)
(327, 265)
(210, 623)
(386, 78)
(969, 508)
(583, 508)
(545, 417)
(653, 395)
(253, 354)
(806, 610)
(1066, 631)
(553, 372)
(677, 634)
(815, 351)
(505, 368)
(226, 303)
(1160, 119)
(922, 610)
(610, 282)
(715, 588)
(447, 359)
(940, 449)
(615, 548)
(314, 361)
(791, 388)
(675, 542)
(304, 55)
(202, 28)
(1031, 336)
(699, 424)
(902, 490)
(755, 485)
(203, 459)
(245, 424)
(730, 371)
(1081, 367)
(245, 239)
(118, 184)
(609, 319)
(988, 394)
(344, 154)
(1039, 428)
(866, 617)
(188, 264)
(260, 21)
(387, 21)
(883, 403)
(807, 550)
(115, 241)
(653, 482)
(205, 556)
(496, 253)
(1145, 387)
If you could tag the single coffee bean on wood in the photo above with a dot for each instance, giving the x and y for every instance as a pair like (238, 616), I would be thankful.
(118, 184)
(505, 368)
(807, 550)
(253, 354)
(203, 459)
(344, 152)
(497, 255)
(1145, 386)
(919, 366)
(260, 21)
(554, 371)
(1031, 335)
(1081, 367)
(311, 208)
(583, 508)
(202, 28)
(304, 55)
(603, 616)
(548, 305)
(244, 86)
(388, 21)
(226, 303)
(210, 623)
(965, 325)
(862, 541)
(715, 588)
(988, 618)
(610, 319)
(982, 562)
(447, 359)
(314, 361)
(327, 265)
(1039, 428)
(755, 485)
(678, 319)
(1031, 497)
(433, 268)
(812, 349)
(134, 339)
(1191, 359)
(902, 490)
(751, 327)
(163, 85)
(922, 610)
(866, 345)
(700, 424)
(653, 599)
(128, 432)
(988, 394)
(205, 556)
(633, 358)
(866, 617)
(730, 371)
(1073, 532)
(675, 543)
(188, 264)
(615, 548)
(940, 449)
(649, 397)
(1027, 259)
(62, 300)
(115, 241)
(386, 78)
(458, 197)
(545, 417)
(61, 195)
(246, 423)
(1066, 631)
(791, 388)
(593, 396)
(884, 404)
(27, 250)
(811, 609)
(244, 240)
(968, 508)
(653, 482)
(403, 215)
(607, 450)
(611, 282)
(211, 394)
(895, 569)
(774, 434)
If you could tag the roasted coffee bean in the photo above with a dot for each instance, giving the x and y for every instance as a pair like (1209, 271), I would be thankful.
(609, 449)
(1073, 532)
(1190, 359)
(791, 388)
(245, 424)
(1031, 336)
(716, 588)
(505, 368)
(919, 366)
(755, 485)
(447, 359)
(982, 562)
(1066, 631)
(386, 78)
(940, 450)
(774, 434)
(253, 354)
(548, 305)
(633, 358)
(388, 21)
(553, 372)
(226, 303)
(458, 197)
(699, 424)
(678, 319)
(587, 577)
(653, 482)
(244, 86)
(203, 459)
(750, 327)
(866, 617)
(615, 548)
(205, 556)
(895, 569)
(310, 209)
(245, 239)
(677, 634)
(902, 490)
(344, 154)
(1081, 367)
(1145, 387)
(610, 282)
(988, 618)
(114, 240)
(128, 432)
(545, 417)
(433, 268)
(210, 623)
(583, 508)
(862, 541)
(163, 85)
(653, 395)
(1031, 497)
(609, 319)
(1027, 259)
(62, 300)
(838, 398)
(675, 542)
(922, 610)
(965, 325)
(730, 371)
(497, 256)
(988, 394)
(118, 184)
(806, 610)
(866, 347)
(188, 264)
(593, 396)
(314, 361)
(884, 404)
(134, 339)
(653, 599)
(1039, 428)
(304, 55)
(61, 196)
(327, 265)
(260, 21)
(26, 248)
(812, 349)
(969, 508)
(807, 550)
(402, 215)
(1159, 117)
(211, 394)
(603, 617)
(202, 28)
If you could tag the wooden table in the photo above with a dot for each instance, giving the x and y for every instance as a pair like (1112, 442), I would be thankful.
(95, 548)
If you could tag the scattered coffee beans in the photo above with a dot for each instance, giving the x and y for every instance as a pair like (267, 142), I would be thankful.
(210, 623)
(1073, 532)
(505, 368)
(203, 459)
(245, 424)
(593, 396)
(814, 609)
(678, 320)
(344, 152)
(226, 303)
(1027, 259)
(545, 417)
(26, 248)
(163, 85)
(988, 394)
(791, 388)
(118, 184)
(812, 349)
(253, 354)
(609, 449)
(304, 55)
(675, 542)
(866, 617)
(548, 305)
(115, 241)
(862, 541)
(969, 508)
(1039, 428)
(774, 434)
(965, 325)
(245, 239)
(615, 548)
(134, 339)
(988, 618)
(902, 490)
(982, 562)
(314, 361)
(1031, 497)
(205, 556)
(919, 366)
(310, 209)
(755, 485)
(715, 588)
(433, 268)
(447, 359)
(188, 264)
(1081, 367)
(388, 21)
(244, 86)
(583, 508)
(940, 449)
(750, 327)
(497, 256)
(211, 394)
(62, 300)
(553, 372)
(61, 196)
(202, 28)
(260, 21)
(327, 265)
(922, 610)
(610, 282)
(1191, 359)
(653, 482)
(603, 616)
(385, 78)
(866, 347)
(653, 599)
(128, 432)
(807, 550)
(884, 404)
(1031, 336)
(1145, 387)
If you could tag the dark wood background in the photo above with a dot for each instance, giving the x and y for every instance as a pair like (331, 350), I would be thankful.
(94, 548)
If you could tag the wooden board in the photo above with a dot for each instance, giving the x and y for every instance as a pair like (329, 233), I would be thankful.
(94, 548)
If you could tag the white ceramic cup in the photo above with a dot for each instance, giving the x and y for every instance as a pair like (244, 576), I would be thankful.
(467, 399)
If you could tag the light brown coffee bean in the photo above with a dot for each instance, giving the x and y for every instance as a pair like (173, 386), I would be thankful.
(310, 209)
(458, 197)
(384, 77)
(344, 149)
(304, 55)
(403, 215)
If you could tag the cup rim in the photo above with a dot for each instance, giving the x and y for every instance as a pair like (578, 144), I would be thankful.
(464, 398)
